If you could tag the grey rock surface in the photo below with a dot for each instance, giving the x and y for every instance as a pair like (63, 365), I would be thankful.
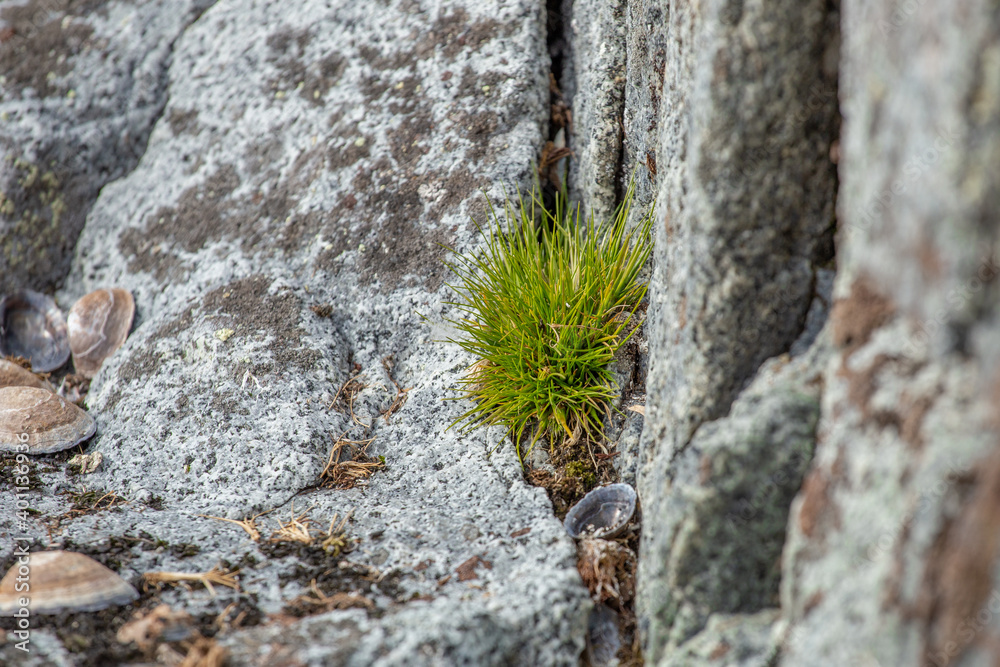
(597, 37)
(893, 540)
(321, 174)
(730, 640)
(731, 106)
(81, 85)
(817, 463)
(737, 249)
(308, 156)
(747, 117)
(716, 547)
(623, 428)
(648, 29)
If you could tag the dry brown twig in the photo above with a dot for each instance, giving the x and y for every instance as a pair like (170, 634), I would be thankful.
(84, 502)
(204, 652)
(295, 530)
(112, 498)
(299, 529)
(322, 309)
(149, 631)
(348, 385)
(560, 113)
(346, 474)
(607, 569)
(214, 576)
(248, 524)
(146, 628)
(335, 601)
(551, 154)
(548, 165)
(350, 389)
(222, 621)
(401, 394)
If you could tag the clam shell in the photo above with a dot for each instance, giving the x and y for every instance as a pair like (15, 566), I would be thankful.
(98, 325)
(33, 327)
(603, 513)
(41, 420)
(63, 581)
(12, 375)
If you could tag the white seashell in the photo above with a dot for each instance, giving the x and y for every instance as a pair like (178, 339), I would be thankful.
(63, 581)
(98, 325)
(12, 375)
(33, 327)
(40, 420)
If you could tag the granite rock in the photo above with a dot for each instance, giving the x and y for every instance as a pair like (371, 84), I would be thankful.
(746, 118)
(816, 457)
(893, 540)
(321, 155)
(745, 202)
(716, 547)
(82, 85)
(730, 640)
(597, 37)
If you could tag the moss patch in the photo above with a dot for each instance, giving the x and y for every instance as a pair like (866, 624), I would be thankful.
(33, 206)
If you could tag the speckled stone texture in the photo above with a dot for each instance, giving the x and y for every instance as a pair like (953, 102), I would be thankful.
(308, 155)
(745, 205)
(892, 546)
(818, 463)
(745, 215)
(894, 540)
(730, 640)
(596, 33)
(646, 43)
(724, 113)
(81, 85)
(719, 538)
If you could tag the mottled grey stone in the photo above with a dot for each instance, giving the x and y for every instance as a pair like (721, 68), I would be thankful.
(745, 206)
(716, 546)
(309, 155)
(624, 425)
(918, 80)
(647, 42)
(747, 116)
(893, 540)
(597, 35)
(80, 89)
(730, 640)
(323, 173)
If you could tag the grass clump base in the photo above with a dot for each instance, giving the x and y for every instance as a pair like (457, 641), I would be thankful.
(545, 306)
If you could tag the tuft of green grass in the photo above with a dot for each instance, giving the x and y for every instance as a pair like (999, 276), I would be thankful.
(545, 306)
